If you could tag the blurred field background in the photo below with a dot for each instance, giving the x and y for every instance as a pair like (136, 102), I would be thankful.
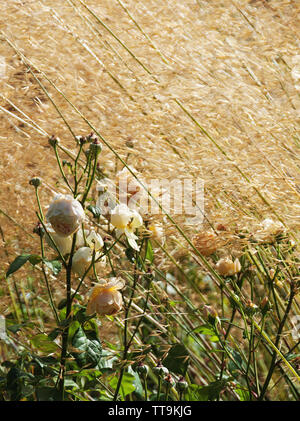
(202, 89)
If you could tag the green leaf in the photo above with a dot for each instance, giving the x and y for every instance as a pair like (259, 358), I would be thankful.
(15, 382)
(149, 255)
(137, 382)
(53, 265)
(44, 343)
(89, 349)
(205, 393)
(127, 384)
(34, 259)
(17, 263)
(90, 373)
(70, 384)
(73, 327)
(21, 260)
(177, 360)
(207, 330)
(95, 211)
(130, 254)
(235, 367)
(243, 393)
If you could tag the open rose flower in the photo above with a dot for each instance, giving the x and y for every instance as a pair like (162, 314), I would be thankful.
(82, 260)
(126, 221)
(105, 298)
(65, 214)
(226, 267)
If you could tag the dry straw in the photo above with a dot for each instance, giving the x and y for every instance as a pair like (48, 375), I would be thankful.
(228, 64)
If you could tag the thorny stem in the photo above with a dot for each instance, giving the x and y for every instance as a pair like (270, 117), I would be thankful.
(90, 179)
(158, 388)
(61, 169)
(38, 202)
(273, 361)
(47, 282)
(75, 171)
(126, 347)
(65, 334)
(145, 387)
(127, 344)
(52, 241)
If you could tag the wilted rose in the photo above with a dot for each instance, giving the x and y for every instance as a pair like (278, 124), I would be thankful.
(206, 242)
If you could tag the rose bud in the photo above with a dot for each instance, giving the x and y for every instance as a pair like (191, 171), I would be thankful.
(65, 214)
(82, 260)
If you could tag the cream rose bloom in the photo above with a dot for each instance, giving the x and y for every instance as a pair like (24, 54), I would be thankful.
(82, 259)
(64, 244)
(65, 214)
(105, 298)
(226, 267)
(126, 221)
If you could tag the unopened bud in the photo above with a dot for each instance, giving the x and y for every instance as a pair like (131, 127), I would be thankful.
(81, 140)
(226, 267)
(209, 311)
(169, 381)
(35, 181)
(96, 147)
(130, 142)
(265, 305)
(250, 308)
(181, 385)
(160, 370)
(53, 141)
(142, 369)
(91, 137)
(210, 314)
(39, 230)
